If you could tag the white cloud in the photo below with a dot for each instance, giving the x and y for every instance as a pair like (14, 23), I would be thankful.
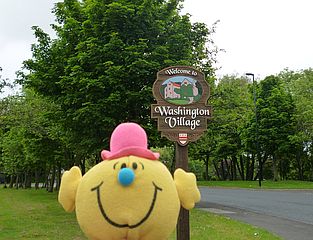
(16, 36)
(259, 36)
(263, 37)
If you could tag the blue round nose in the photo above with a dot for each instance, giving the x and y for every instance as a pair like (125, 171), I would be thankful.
(126, 176)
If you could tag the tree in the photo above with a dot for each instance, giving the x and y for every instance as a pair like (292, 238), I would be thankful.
(203, 150)
(12, 155)
(102, 65)
(232, 104)
(30, 147)
(299, 85)
(275, 109)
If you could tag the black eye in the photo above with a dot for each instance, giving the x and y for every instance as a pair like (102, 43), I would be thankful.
(143, 167)
(114, 166)
(135, 166)
(123, 165)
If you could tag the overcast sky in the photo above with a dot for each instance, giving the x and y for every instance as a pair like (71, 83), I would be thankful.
(259, 36)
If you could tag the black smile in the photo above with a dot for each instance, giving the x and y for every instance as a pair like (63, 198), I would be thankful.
(156, 189)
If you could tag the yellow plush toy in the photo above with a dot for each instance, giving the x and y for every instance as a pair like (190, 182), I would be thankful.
(130, 195)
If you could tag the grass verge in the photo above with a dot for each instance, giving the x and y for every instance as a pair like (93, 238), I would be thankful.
(36, 214)
(267, 184)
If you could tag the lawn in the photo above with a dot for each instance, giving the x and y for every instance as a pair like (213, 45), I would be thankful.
(179, 101)
(36, 214)
(267, 184)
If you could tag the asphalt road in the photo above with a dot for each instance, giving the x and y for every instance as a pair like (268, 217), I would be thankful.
(287, 213)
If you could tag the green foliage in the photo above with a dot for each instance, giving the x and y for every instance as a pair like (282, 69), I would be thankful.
(28, 142)
(299, 86)
(275, 111)
(12, 152)
(166, 156)
(233, 108)
(4, 83)
(283, 130)
(196, 167)
(203, 149)
(99, 72)
(101, 67)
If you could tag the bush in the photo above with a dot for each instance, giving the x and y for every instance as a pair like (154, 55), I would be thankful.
(196, 167)
(166, 156)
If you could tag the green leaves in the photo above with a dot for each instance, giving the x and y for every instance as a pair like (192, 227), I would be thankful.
(275, 110)
(233, 108)
(102, 65)
(28, 133)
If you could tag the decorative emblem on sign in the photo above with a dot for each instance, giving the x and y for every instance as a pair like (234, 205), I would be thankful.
(183, 138)
(181, 90)
(181, 93)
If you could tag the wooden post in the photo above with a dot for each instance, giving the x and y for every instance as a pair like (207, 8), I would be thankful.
(183, 228)
(181, 118)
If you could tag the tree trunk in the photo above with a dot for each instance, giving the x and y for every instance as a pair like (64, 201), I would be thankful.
(233, 168)
(283, 165)
(240, 168)
(261, 164)
(252, 166)
(47, 178)
(83, 166)
(248, 167)
(46, 183)
(17, 181)
(227, 170)
(216, 170)
(57, 187)
(24, 181)
(36, 179)
(207, 157)
(235, 165)
(5, 181)
(173, 165)
(28, 180)
(274, 165)
(299, 164)
(52, 180)
(223, 170)
(11, 181)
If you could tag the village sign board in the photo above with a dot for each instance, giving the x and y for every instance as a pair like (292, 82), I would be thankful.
(182, 112)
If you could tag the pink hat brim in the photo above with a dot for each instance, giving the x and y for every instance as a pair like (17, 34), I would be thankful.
(134, 151)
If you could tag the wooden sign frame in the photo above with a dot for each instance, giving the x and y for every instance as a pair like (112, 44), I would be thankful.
(181, 93)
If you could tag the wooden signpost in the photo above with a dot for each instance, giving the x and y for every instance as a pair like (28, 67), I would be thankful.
(181, 93)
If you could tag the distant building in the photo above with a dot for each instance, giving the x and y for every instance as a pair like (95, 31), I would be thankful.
(186, 82)
(169, 90)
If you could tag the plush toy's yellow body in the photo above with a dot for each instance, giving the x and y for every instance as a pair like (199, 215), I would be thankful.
(129, 197)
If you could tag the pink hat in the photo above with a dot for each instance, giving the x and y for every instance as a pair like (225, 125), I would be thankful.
(129, 139)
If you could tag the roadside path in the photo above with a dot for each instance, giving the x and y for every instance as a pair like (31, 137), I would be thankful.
(287, 213)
